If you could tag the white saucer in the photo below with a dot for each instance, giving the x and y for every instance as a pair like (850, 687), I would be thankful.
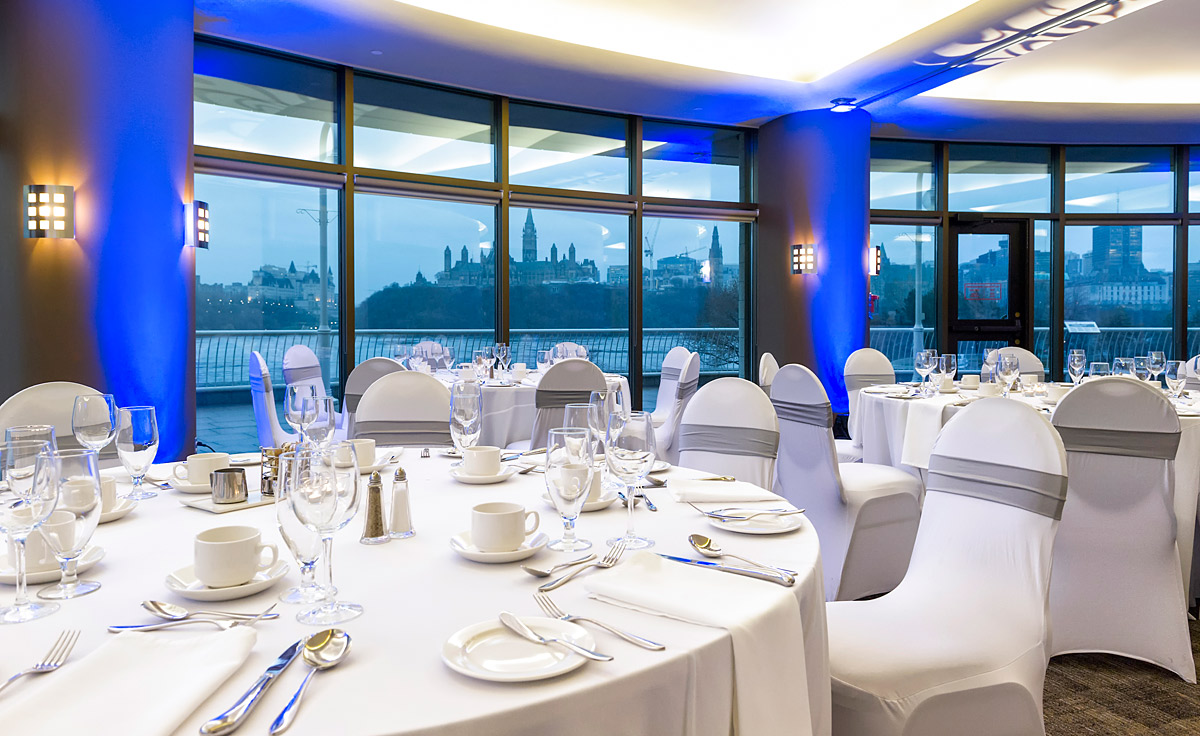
(183, 581)
(489, 651)
(245, 459)
(659, 466)
(451, 452)
(766, 524)
(948, 390)
(8, 575)
(605, 500)
(462, 477)
(184, 487)
(461, 543)
(122, 507)
(161, 472)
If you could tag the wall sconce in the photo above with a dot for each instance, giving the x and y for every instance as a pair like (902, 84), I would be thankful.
(49, 211)
(874, 259)
(804, 259)
(197, 224)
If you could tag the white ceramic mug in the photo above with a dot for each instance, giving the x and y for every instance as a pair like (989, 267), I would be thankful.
(231, 555)
(198, 467)
(364, 452)
(1056, 391)
(481, 460)
(970, 381)
(989, 389)
(500, 526)
(947, 384)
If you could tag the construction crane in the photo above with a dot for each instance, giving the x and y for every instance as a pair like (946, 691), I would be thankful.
(648, 252)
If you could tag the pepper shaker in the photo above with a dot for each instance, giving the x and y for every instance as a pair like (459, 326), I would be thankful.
(374, 529)
(401, 525)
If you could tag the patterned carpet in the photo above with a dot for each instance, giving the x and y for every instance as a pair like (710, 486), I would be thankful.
(1113, 696)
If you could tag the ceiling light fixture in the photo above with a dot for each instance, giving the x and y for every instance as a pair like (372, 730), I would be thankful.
(842, 104)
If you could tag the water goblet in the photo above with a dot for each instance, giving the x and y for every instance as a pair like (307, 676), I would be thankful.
(320, 429)
(466, 414)
(923, 364)
(26, 501)
(1157, 363)
(1008, 367)
(1175, 375)
(294, 407)
(1076, 365)
(503, 356)
(79, 506)
(629, 452)
(94, 420)
(1122, 366)
(569, 472)
(544, 358)
(32, 433)
(483, 364)
(137, 444)
(1141, 368)
(1098, 368)
(403, 353)
(304, 544)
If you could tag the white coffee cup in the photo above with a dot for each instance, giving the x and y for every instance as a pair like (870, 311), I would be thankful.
(500, 526)
(519, 372)
(364, 452)
(947, 383)
(78, 495)
(197, 468)
(989, 389)
(481, 460)
(1056, 390)
(466, 372)
(39, 557)
(108, 493)
(970, 381)
(231, 555)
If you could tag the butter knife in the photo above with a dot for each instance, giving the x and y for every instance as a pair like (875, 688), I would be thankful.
(756, 574)
(229, 721)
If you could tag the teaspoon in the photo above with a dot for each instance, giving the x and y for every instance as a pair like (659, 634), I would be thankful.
(322, 650)
(709, 548)
(172, 612)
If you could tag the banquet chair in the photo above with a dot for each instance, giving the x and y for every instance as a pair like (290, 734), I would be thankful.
(961, 645)
(262, 397)
(729, 428)
(1192, 370)
(406, 408)
(359, 380)
(767, 368)
(669, 378)
(666, 434)
(570, 349)
(435, 354)
(1117, 585)
(1030, 363)
(52, 403)
(301, 367)
(569, 381)
(865, 367)
(866, 515)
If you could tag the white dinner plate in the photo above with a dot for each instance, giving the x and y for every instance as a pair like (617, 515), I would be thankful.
(489, 651)
(461, 476)
(183, 581)
(461, 543)
(8, 575)
(245, 459)
(184, 487)
(122, 507)
(765, 524)
(606, 499)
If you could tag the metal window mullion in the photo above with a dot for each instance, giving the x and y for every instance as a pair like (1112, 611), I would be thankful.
(1058, 259)
(634, 255)
(1180, 292)
(346, 298)
(942, 277)
(501, 249)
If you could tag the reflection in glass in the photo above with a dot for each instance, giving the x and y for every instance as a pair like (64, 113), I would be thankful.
(567, 149)
(691, 162)
(982, 276)
(905, 315)
(1043, 237)
(1116, 179)
(902, 175)
(999, 178)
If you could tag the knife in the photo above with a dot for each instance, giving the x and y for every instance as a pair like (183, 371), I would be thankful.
(228, 721)
(519, 627)
(757, 574)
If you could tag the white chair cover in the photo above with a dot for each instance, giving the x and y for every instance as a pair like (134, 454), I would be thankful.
(570, 349)
(1117, 584)
(569, 381)
(672, 365)
(729, 428)
(767, 368)
(405, 408)
(866, 515)
(52, 403)
(1192, 369)
(262, 396)
(961, 645)
(685, 388)
(357, 383)
(1030, 363)
(301, 367)
(435, 354)
(865, 367)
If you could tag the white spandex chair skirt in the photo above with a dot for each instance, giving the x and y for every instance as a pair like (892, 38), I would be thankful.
(669, 378)
(1192, 369)
(767, 368)
(262, 396)
(866, 515)
(406, 408)
(729, 428)
(961, 645)
(360, 379)
(865, 367)
(569, 381)
(1117, 585)
(51, 403)
(666, 434)
(1030, 363)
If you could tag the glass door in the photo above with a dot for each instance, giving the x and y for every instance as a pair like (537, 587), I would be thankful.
(989, 295)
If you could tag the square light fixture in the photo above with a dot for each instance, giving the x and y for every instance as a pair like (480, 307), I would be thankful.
(874, 259)
(804, 259)
(49, 211)
(197, 224)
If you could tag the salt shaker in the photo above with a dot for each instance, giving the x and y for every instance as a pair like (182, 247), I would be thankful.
(374, 530)
(401, 525)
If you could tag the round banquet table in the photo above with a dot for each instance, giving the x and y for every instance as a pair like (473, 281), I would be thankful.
(901, 431)
(417, 592)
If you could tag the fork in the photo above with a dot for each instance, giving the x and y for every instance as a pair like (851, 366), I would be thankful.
(551, 609)
(54, 658)
(610, 559)
(222, 625)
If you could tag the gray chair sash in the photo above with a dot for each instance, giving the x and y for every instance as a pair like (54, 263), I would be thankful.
(766, 387)
(1022, 488)
(684, 390)
(859, 381)
(301, 373)
(1191, 383)
(1160, 445)
(350, 401)
(728, 440)
(555, 398)
(671, 374)
(818, 415)
(257, 384)
(68, 442)
(403, 432)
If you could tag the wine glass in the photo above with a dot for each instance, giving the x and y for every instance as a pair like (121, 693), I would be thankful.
(1141, 368)
(466, 414)
(1157, 363)
(1176, 377)
(569, 473)
(320, 429)
(68, 530)
(1122, 366)
(31, 471)
(1008, 367)
(545, 358)
(94, 420)
(32, 433)
(325, 498)
(305, 544)
(1076, 365)
(630, 452)
(503, 356)
(948, 366)
(137, 444)
(294, 407)
(1098, 369)
(482, 361)
(447, 360)
(923, 364)
(403, 353)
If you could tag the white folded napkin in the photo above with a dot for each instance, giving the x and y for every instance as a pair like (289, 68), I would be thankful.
(924, 421)
(168, 674)
(717, 491)
(770, 682)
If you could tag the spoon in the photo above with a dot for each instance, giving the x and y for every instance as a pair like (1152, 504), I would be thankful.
(709, 548)
(322, 650)
(538, 572)
(172, 612)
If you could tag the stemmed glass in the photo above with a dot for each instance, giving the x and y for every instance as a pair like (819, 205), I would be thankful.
(447, 359)
(31, 471)
(1122, 366)
(70, 528)
(629, 451)
(602, 404)
(466, 414)
(1176, 377)
(402, 354)
(1008, 367)
(296, 411)
(545, 358)
(1098, 369)
(483, 363)
(94, 420)
(304, 543)
(569, 473)
(320, 429)
(502, 356)
(924, 363)
(137, 444)
(1141, 368)
(325, 498)
(1076, 365)
(32, 433)
(947, 366)
(1157, 363)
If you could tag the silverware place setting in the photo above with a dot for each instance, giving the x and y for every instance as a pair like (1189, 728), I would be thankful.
(220, 623)
(538, 572)
(236, 715)
(55, 658)
(709, 548)
(612, 557)
(553, 611)
(518, 627)
(734, 513)
(322, 650)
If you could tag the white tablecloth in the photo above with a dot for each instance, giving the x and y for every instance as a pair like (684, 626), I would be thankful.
(417, 592)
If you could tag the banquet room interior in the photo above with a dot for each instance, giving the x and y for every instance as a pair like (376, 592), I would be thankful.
(773, 367)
